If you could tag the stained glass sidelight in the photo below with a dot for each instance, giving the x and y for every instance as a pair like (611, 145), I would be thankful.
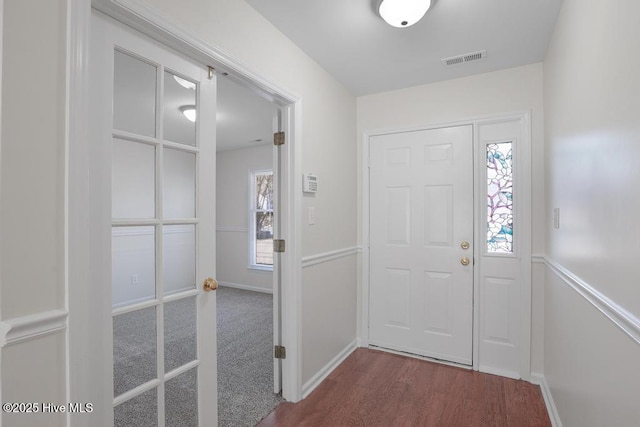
(500, 198)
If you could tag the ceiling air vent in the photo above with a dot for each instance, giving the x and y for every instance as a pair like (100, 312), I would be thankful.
(467, 57)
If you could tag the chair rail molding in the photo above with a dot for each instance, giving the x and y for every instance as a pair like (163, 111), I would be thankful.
(628, 322)
(320, 258)
(20, 329)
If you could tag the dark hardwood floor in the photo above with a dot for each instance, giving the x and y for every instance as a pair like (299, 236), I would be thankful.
(375, 388)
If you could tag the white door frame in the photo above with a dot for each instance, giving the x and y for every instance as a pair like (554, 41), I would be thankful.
(85, 367)
(524, 189)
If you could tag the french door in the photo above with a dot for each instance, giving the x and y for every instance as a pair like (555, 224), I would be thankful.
(421, 242)
(153, 127)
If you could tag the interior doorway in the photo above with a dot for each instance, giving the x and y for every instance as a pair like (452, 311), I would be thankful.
(247, 181)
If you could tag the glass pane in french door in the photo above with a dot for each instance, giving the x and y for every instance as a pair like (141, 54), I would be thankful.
(181, 392)
(179, 107)
(133, 180)
(179, 261)
(134, 95)
(180, 345)
(134, 349)
(139, 411)
(133, 265)
(154, 238)
(179, 179)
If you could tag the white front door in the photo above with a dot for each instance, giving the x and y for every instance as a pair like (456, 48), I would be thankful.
(421, 247)
(153, 135)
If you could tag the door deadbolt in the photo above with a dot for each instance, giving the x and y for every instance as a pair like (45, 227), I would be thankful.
(465, 245)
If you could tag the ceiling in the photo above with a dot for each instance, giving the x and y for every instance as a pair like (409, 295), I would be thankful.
(243, 118)
(350, 40)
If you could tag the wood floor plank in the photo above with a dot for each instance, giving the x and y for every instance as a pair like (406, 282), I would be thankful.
(475, 399)
(453, 414)
(523, 405)
(375, 388)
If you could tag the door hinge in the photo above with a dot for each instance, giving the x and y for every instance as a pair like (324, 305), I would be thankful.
(212, 72)
(278, 138)
(280, 352)
(278, 245)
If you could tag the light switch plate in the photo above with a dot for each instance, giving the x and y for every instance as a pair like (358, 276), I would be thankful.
(312, 215)
(556, 217)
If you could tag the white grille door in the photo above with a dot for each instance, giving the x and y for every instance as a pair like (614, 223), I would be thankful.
(153, 130)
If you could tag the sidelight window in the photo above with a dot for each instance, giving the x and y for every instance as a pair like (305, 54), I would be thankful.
(500, 197)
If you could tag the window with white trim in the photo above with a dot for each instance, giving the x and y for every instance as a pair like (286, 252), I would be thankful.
(261, 220)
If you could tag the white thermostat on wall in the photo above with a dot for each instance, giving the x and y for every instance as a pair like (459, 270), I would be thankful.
(309, 183)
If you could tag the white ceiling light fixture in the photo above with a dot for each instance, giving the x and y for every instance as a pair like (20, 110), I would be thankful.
(189, 112)
(403, 13)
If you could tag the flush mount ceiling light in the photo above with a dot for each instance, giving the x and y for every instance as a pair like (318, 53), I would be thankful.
(189, 112)
(403, 13)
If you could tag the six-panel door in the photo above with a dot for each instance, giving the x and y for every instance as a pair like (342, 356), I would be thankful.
(421, 196)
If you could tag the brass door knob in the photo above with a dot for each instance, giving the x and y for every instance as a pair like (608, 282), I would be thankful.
(210, 284)
(464, 261)
(465, 245)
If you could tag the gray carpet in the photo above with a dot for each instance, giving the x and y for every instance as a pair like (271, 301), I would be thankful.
(245, 361)
(245, 357)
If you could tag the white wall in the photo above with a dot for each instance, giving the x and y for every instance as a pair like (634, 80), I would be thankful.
(32, 199)
(329, 331)
(507, 91)
(33, 156)
(591, 88)
(232, 217)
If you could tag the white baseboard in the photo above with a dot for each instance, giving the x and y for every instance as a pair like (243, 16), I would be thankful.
(245, 287)
(323, 373)
(540, 380)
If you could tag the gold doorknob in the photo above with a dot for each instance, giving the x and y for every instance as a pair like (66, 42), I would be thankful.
(464, 245)
(464, 261)
(210, 284)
